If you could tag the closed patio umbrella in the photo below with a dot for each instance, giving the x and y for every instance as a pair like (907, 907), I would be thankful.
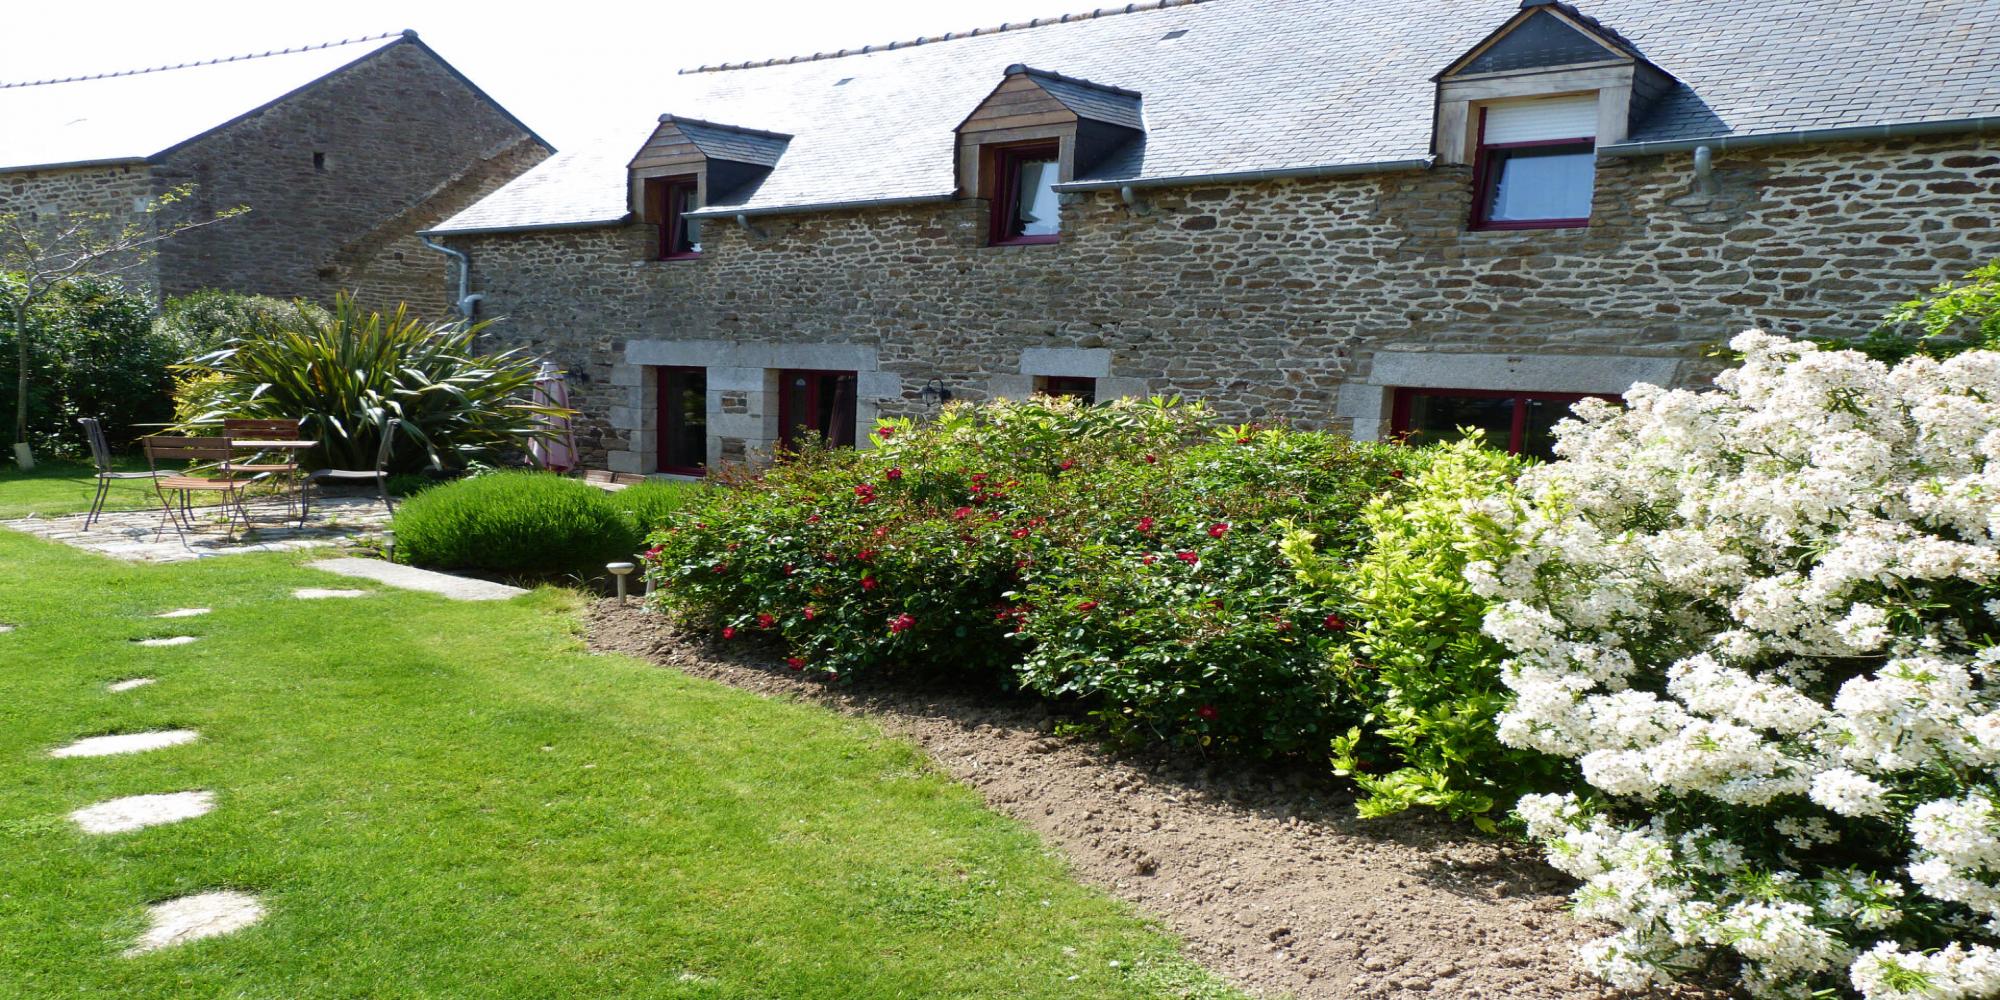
(555, 449)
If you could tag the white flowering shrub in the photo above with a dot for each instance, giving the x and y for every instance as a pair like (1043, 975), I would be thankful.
(1762, 621)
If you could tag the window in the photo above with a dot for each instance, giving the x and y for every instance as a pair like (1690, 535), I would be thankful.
(1081, 389)
(683, 426)
(816, 407)
(1025, 208)
(668, 200)
(1522, 422)
(1537, 164)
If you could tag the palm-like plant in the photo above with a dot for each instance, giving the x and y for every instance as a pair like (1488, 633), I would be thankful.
(348, 375)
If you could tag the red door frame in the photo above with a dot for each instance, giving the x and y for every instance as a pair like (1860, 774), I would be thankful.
(1399, 418)
(669, 416)
(788, 421)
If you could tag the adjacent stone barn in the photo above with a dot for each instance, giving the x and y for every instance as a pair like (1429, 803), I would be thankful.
(342, 153)
(1381, 216)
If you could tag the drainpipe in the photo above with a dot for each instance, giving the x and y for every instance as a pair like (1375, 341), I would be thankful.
(467, 302)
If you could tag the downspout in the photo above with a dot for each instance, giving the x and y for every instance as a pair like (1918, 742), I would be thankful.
(467, 303)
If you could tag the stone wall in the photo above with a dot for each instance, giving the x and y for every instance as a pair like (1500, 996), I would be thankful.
(1275, 301)
(338, 178)
(52, 198)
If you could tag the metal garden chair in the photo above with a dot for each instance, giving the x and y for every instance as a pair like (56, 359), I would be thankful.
(380, 474)
(195, 455)
(100, 452)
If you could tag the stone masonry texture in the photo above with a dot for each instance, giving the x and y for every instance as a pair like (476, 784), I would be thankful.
(1265, 298)
(401, 142)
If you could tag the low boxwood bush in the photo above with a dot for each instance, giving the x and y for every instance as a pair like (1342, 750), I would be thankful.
(649, 505)
(514, 522)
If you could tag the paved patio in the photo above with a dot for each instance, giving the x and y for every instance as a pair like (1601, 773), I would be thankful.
(140, 535)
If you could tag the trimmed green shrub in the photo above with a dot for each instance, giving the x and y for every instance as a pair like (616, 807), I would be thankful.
(93, 353)
(349, 374)
(651, 504)
(514, 522)
(207, 320)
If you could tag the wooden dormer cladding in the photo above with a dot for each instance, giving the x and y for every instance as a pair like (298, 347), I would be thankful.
(1547, 49)
(725, 161)
(1091, 123)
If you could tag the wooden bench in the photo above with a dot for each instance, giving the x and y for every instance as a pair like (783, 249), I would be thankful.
(611, 482)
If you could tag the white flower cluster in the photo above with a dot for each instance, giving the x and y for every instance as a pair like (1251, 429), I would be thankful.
(1762, 621)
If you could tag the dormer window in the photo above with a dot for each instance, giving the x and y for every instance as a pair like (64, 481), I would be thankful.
(1527, 108)
(1037, 130)
(690, 167)
(668, 200)
(1536, 165)
(1025, 208)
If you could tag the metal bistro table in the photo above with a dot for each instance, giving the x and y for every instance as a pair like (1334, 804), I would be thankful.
(298, 482)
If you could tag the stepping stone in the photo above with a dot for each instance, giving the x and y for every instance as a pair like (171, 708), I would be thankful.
(172, 640)
(457, 588)
(136, 812)
(182, 613)
(4, 629)
(320, 593)
(191, 918)
(104, 746)
(136, 682)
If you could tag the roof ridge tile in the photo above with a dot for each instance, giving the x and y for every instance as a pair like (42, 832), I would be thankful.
(15, 85)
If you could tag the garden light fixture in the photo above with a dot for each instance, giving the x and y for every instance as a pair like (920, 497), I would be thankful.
(621, 570)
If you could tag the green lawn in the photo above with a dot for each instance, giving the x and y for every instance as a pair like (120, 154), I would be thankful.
(438, 799)
(66, 488)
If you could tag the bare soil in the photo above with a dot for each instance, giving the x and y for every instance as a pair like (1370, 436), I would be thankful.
(1266, 874)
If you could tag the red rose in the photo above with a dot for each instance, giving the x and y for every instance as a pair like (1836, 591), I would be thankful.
(1336, 623)
(893, 474)
(1207, 713)
(979, 477)
(1218, 530)
(765, 620)
(1067, 463)
(795, 662)
(729, 631)
(885, 433)
(867, 583)
(810, 613)
(790, 569)
(903, 623)
(1187, 557)
(812, 518)
(1395, 474)
(1243, 440)
(1086, 606)
(1149, 559)
(1145, 525)
(653, 553)
(1152, 459)
(962, 513)
(1019, 532)
(721, 567)
(865, 554)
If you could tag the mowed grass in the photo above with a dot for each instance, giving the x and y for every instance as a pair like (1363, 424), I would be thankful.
(55, 488)
(438, 799)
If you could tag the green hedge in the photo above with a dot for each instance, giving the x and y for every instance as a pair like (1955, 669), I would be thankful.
(93, 352)
(514, 522)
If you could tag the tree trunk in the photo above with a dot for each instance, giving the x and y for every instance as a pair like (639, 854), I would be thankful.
(23, 455)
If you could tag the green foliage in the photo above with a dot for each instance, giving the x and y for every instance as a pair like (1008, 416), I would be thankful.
(1956, 317)
(348, 373)
(95, 354)
(649, 505)
(1425, 675)
(514, 522)
(1122, 557)
(206, 321)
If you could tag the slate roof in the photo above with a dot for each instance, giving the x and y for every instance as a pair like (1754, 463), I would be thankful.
(727, 142)
(1094, 101)
(135, 116)
(1268, 85)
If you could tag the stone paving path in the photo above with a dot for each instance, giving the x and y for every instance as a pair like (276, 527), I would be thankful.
(191, 918)
(138, 535)
(137, 812)
(458, 588)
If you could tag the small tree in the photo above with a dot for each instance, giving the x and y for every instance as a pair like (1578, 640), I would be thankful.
(45, 255)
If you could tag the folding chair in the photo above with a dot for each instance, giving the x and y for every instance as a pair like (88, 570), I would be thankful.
(100, 452)
(193, 453)
(259, 429)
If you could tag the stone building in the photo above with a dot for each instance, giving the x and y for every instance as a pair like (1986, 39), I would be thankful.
(342, 153)
(1376, 216)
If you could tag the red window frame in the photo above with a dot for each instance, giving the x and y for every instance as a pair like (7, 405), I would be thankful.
(1399, 417)
(668, 216)
(789, 420)
(670, 418)
(1487, 163)
(1073, 386)
(1006, 162)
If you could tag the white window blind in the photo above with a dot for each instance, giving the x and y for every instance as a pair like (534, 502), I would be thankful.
(1538, 121)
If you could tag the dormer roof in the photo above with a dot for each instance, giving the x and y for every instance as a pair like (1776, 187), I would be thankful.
(1543, 35)
(1089, 101)
(731, 142)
